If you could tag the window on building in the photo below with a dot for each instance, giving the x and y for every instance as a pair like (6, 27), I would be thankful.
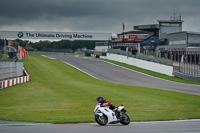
(170, 24)
(177, 42)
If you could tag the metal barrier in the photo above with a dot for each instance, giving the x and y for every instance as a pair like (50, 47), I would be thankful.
(39, 53)
(45, 53)
(187, 76)
(190, 69)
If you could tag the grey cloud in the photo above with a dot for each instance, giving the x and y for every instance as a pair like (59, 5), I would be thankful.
(93, 15)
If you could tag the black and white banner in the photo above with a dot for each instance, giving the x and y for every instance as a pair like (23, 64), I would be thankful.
(55, 35)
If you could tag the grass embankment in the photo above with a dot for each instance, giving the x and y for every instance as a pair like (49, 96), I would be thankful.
(155, 74)
(58, 93)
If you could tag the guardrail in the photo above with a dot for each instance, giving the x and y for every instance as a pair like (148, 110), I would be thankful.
(45, 53)
(190, 69)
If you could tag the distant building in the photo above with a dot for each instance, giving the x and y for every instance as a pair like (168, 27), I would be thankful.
(178, 42)
(147, 38)
(133, 36)
(165, 38)
(169, 26)
(151, 28)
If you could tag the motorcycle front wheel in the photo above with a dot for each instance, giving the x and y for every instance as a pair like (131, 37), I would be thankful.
(125, 120)
(101, 120)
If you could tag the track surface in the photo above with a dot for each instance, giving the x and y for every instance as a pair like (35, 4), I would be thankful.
(134, 127)
(116, 74)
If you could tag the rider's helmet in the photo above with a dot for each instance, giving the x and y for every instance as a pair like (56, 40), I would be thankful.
(100, 99)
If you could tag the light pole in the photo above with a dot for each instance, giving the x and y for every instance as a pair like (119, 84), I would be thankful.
(71, 44)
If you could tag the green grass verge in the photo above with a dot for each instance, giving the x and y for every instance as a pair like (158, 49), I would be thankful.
(155, 74)
(58, 93)
(4, 56)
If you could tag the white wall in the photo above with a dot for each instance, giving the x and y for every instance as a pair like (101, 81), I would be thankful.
(10, 69)
(156, 67)
(101, 48)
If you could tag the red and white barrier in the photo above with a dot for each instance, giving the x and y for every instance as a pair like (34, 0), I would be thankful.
(93, 55)
(12, 82)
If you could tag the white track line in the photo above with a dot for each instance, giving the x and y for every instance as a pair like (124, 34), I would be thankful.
(79, 69)
(48, 57)
(72, 66)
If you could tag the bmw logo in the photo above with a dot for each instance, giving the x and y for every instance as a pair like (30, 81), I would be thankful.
(20, 34)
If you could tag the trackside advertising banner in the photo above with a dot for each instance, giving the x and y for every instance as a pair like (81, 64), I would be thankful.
(55, 35)
(0, 84)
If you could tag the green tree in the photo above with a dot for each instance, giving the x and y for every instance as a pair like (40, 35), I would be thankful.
(19, 42)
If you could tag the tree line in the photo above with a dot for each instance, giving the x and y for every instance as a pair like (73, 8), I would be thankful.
(63, 44)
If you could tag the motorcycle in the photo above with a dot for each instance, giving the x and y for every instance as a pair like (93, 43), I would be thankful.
(104, 115)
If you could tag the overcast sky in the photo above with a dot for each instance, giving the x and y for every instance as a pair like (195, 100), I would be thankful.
(94, 15)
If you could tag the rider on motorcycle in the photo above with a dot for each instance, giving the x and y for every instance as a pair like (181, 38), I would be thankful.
(105, 103)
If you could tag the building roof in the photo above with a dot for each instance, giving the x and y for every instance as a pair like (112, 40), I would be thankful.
(136, 32)
(189, 32)
(169, 21)
(148, 27)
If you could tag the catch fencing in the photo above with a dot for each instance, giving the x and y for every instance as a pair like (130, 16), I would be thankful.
(190, 68)
(45, 53)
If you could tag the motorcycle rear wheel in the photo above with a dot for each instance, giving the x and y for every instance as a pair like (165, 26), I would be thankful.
(101, 120)
(125, 120)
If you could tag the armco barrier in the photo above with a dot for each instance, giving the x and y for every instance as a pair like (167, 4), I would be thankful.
(186, 76)
(11, 82)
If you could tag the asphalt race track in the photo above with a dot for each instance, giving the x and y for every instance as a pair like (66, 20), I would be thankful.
(188, 126)
(116, 74)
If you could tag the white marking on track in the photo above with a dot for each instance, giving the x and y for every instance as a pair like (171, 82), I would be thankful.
(72, 66)
(48, 57)
(80, 69)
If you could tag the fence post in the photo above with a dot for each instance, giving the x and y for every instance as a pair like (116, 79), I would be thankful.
(191, 71)
(199, 63)
(179, 65)
(0, 84)
(195, 65)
